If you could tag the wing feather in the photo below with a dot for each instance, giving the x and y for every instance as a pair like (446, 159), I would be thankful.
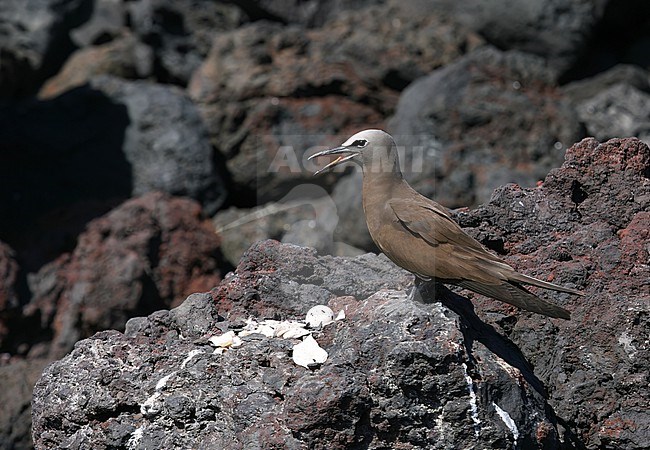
(465, 257)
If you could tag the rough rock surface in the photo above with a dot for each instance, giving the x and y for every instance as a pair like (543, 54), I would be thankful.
(613, 103)
(9, 297)
(130, 138)
(399, 372)
(180, 32)
(558, 30)
(297, 88)
(621, 110)
(35, 40)
(166, 142)
(588, 224)
(125, 57)
(488, 119)
(579, 91)
(147, 254)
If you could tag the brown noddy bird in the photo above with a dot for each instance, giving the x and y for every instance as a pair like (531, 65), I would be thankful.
(418, 234)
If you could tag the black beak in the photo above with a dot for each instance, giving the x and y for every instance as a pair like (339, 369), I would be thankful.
(346, 153)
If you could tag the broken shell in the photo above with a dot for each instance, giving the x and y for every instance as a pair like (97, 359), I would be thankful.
(308, 353)
(291, 330)
(340, 315)
(319, 316)
(229, 339)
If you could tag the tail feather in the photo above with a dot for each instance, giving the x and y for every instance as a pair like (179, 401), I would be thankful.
(521, 278)
(514, 294)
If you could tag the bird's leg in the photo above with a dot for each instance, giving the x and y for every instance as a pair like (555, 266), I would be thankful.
(412, 293)
(415, 294)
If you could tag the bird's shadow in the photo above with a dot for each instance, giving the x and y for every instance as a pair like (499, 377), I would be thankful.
(474, 328)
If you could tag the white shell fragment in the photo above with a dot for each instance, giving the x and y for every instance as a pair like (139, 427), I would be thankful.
(229, 339)
(309, 353)
(319, 316)
(274, 328)
(290, 330)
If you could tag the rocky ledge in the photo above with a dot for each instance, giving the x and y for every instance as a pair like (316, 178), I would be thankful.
(438, 373)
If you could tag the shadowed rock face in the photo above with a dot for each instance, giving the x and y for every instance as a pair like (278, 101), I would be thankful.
(399, 373)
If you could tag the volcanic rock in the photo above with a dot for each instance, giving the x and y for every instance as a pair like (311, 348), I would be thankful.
(147, 254)
(9, 297)
(489, 118)
(35, 41)
(587, 224)
(557, 30)
(399, 372)
(265, 88)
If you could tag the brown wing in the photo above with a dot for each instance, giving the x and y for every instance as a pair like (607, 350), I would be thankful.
(460, 257)
(464, 261)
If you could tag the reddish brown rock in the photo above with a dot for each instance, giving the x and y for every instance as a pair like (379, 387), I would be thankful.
(586, 226)
(264, 85)
(123, 57)
(147, 254)
(18, 379)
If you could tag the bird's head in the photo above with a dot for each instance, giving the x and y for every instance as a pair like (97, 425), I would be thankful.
(374, 150)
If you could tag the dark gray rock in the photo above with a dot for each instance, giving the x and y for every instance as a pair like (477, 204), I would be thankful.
(613, 103)
(166, 143)
(180, 32)
(276, 281)
(35, 41)
(129, 138)
(622, 110)
(398, 373)
(557, 30)
(580, 91)
(488, 119)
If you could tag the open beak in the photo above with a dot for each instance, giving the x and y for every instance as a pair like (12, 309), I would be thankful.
(346, 154)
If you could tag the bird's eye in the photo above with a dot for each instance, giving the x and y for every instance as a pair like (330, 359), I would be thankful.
(359, 143)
